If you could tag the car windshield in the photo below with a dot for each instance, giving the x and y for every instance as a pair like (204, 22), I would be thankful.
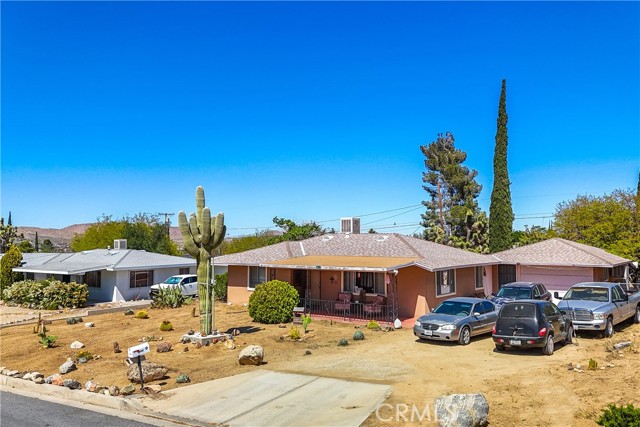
(454, 308)
(587, 294)
(173, 280)
(518, 310)
(514, 292)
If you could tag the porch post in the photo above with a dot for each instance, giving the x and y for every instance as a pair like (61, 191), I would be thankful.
(307, 295)
(393, 298)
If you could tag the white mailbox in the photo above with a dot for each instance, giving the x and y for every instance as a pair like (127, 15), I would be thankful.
(138, 350)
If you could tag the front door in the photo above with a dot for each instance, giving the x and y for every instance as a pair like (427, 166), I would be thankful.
(299, 279)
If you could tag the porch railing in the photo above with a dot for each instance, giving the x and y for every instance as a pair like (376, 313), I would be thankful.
(347, 310)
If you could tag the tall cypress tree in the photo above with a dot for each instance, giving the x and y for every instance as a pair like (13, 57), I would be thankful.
(500, 211)
(37, 243)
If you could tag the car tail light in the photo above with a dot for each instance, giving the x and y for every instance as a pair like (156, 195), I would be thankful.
(493, 331)
(530, 342)
(542, 332)
(500, 340)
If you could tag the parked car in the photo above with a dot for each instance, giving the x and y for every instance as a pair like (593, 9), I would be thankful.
(598, 306)
(457, 319)
(188, 283)
(531, 323)
(520, 290)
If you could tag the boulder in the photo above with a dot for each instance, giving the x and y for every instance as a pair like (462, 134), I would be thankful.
(154, 388)
(72, 384)
(67, 367)
(56, 379)
(127, 390)
(39, 380)
(462, 410)
(150, 372)
(251, 355)
(114, 390)
(76, 345)
(163, 347)
(128, 312)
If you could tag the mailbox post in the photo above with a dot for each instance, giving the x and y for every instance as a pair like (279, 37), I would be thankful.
(136, 352)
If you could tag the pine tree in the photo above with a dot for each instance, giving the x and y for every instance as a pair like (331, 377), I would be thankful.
(500, 211)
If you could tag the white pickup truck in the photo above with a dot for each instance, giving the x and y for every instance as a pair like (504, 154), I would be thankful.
(598, 306)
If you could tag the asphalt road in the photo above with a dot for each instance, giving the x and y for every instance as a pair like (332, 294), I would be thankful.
(21, 411)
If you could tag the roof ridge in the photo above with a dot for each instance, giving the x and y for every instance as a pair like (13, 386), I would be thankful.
(575, 245)
(413, 249)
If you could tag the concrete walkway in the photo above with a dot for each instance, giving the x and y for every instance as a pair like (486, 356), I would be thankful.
(273, 399)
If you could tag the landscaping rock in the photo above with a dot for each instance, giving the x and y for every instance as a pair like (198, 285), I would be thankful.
(82, 360)
(71, 321)
(153, 388)
(32, 376)
(89, 325)
(191, 332)
(91, 386)
(128, 312)
(150, 372)
(76, 345)
(621, 345)
(236, 332)
(116, 347)
(67, 367)
(114, 390)
(183, 378)
(127, 390)
(72, 384)
(163, 347)
(229, 344)
(56, 379)
(39, 380)
(462, 410)
(12, 373)
(251, 355)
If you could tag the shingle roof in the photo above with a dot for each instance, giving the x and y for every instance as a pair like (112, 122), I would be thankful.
(99, 259)
(560, 252)
(335, 249)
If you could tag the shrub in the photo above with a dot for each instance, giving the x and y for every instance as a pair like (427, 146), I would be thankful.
(170, 297)
(11, 259)
(294, 333)
(373, 325)
(358, 335)
(306, 319)
(47, 294)
(166, 326)
(46, 340)
(142, 314)
(84, 355)
(593, 365)
(620, 416)
(273, 302)
(343, 342)
(220, 287)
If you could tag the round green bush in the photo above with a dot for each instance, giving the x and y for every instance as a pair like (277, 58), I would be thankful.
(358, 335)
(166, 326)
(343, 342)
(273, 302)
(142, 314)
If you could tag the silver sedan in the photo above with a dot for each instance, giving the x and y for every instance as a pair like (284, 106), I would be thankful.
(457, 319)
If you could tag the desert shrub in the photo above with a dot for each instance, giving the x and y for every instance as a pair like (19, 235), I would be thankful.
(593, 365)
(620, 416)
(11, 259)
(47, 294)
(220, 287)
(84, 354)
(170, 297)
(46, 340)
(294, 333)
(142, 314)
(358, 335)
(306, 319)
(166, 326)
(343, 342)
(273, 302)
(373, 325)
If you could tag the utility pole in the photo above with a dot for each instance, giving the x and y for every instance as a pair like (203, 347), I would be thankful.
(166, 220)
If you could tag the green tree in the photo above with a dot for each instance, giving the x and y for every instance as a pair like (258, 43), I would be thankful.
(245, 243)
(26, 247)
(8, 234)
(47, 246)
(37, 243)
(295, 232)
(452, 214)
(531, 235)
(11, 259)
(605, 222)
(500, 211)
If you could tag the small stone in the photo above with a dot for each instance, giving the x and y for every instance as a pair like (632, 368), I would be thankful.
(191, 332)
(307, 352)
(578, 366)
(82, 360)
(89, 325)
(127, 390)
(114, 390)
(128, 312)
(154, 388)
(96, 357)
(72, 384)
(67, 367)
(570, 366)
(621, 345)
(116, 347)
(602, 368)
(71, 321)
(229, 345)
(198, 345)
(90, 386)
(38, 380)
(282, 325)
(186, 349)
(183, 378)
(76, 345)
(611, 365)
(106, 392)
(215, 340)
(11, 373)
(163, 347)
(56, 379)
(78, 319)
(236, 332)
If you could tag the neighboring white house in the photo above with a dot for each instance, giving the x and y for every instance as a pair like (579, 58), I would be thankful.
(111, 274)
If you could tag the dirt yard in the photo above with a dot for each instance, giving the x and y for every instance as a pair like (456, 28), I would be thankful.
(524, 388)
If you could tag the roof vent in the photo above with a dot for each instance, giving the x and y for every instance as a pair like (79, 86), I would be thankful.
(326, 238)
(381, 238)
(350, 225)
(120, 244)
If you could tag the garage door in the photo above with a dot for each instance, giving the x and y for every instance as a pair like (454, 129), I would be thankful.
(556, 278)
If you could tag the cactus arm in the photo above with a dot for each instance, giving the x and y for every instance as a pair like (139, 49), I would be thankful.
(219, 231)
(187, 239)
(206, 226)
(195, 231)
(199, 203)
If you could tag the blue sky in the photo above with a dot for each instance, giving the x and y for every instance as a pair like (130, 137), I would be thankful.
(309, 111)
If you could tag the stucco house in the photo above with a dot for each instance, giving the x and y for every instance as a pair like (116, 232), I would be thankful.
(117, 274)
(378, 275)
(558, 264)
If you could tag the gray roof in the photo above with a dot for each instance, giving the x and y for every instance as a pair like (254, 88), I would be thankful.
(428, 255)
(99, 259)
(560, 252)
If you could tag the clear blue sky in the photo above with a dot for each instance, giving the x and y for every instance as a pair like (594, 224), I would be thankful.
(309, 111)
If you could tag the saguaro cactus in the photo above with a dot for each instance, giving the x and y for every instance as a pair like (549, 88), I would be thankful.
(200, 236)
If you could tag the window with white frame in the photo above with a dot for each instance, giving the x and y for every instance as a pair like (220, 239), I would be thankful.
(479, 275)
(445, 282)
(371, 282)
(140, 279)
(257, 275)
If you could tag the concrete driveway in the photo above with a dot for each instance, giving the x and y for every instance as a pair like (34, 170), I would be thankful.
(267, 398)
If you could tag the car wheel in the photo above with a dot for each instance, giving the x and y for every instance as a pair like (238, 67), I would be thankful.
(608, 329)
(465, 336)
(500, 347)
(636, 318)
(548, 346)
(569, 338)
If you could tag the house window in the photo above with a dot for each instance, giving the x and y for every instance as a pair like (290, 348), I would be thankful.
(372, 283)
(92, 279)
(445, 282)
(183, 270)
(140, 279)
(479, 274)
(618, 272)
(257, 275)
(29, 276)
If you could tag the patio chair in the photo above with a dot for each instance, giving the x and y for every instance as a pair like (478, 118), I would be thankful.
(343, 304)
(376, 306)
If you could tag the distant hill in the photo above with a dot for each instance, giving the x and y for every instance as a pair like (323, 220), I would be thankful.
(61, 237)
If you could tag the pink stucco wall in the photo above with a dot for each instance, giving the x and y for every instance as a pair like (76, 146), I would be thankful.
(555, 278)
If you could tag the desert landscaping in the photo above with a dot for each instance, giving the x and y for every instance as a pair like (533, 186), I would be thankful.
(522, 387)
